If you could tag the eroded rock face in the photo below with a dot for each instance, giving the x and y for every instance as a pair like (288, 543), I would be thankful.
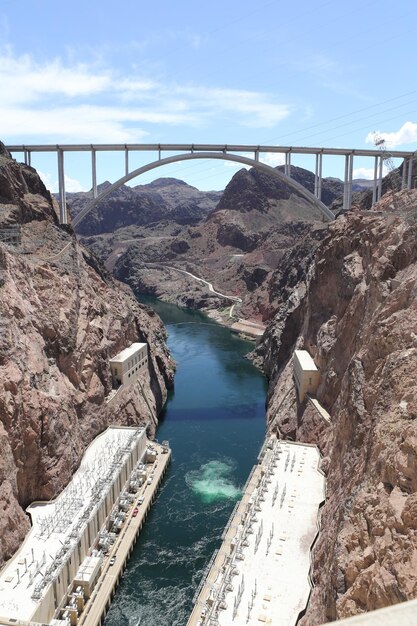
(355, 310)
(62, 318)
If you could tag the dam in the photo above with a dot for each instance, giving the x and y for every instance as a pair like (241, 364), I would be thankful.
(260, 574)
(70, 563)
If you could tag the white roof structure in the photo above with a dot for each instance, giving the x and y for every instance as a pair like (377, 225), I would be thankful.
(57, 525)
(306, 361)
(261, 574)
(127, 353)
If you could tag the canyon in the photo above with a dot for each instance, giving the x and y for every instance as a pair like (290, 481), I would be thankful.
(237, 245)
(62, 317)
(344, 291)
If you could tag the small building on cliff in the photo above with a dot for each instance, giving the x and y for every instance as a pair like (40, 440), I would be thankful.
(128, 364)
(306, 374)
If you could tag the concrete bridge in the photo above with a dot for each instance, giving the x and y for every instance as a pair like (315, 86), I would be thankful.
(225, 152)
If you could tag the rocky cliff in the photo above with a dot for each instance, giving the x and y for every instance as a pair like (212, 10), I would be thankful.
(62, 317)
(354, 308)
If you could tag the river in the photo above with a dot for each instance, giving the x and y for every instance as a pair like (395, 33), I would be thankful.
(215, 423)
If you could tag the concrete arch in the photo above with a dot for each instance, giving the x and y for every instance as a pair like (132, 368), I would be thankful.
(206, 155)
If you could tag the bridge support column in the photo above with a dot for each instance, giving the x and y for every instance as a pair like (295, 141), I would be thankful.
(381, 165)
(410, 172)
(287, 166)
(350, 181)
(404, 176)
(375, 181)
(27, 157)
(347, 185)
(318, 176)
(94, 172)
(126, 161)
(61, 183)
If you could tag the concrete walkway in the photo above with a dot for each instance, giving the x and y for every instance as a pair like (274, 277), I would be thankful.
(401, 614)
(99, 602)
(319, 408)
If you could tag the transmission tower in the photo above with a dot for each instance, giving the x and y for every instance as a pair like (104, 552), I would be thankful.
(388, 161)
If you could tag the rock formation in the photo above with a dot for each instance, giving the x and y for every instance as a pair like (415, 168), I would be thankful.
(62, 318)
(258, 220)
(354, 308)
(163, 199)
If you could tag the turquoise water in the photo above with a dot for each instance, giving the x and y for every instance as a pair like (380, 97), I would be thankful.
(215, 423)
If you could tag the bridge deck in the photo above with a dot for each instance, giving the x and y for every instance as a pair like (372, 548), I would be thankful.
(181, 147)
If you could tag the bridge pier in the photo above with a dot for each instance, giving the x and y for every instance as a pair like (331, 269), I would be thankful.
(410, 172)
(126, 161)
(375, 181)
(318, 175)
(94, 172)
(27, 157)
(347, 190)
(61, 185)
(350, 182)
(287, 166)
(381, 165)
(404, 175)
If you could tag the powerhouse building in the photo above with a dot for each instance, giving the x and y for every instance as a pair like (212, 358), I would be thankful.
(306, 374)
(128, 364)
(58, 554)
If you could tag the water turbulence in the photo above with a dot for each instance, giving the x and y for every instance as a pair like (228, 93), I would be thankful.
(212, 482)
(215, 423)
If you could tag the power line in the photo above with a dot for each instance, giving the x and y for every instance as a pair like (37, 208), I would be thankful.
(340, 117)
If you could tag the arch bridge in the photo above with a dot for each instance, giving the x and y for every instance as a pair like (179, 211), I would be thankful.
(225, 152)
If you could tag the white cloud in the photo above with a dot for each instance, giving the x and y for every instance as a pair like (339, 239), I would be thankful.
(84, 123)
(273, 159)
(46, 177)
(257, 109)
(71, 184)
(80, 102)
(25, 81)
(237, 166)
(367, 172)
(405, 135)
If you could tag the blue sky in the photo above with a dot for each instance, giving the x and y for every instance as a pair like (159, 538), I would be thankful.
(324, 73)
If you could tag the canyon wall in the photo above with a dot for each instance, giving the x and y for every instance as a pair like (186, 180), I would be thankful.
(61, 318)
(354, 308)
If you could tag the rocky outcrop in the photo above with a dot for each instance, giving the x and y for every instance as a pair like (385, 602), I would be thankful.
(355, 309)
(62, 318)
(258, 222)
(163, 199)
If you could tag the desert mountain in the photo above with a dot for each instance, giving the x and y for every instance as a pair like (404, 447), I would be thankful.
(257, 220)
(258, 223)
(163, 199)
